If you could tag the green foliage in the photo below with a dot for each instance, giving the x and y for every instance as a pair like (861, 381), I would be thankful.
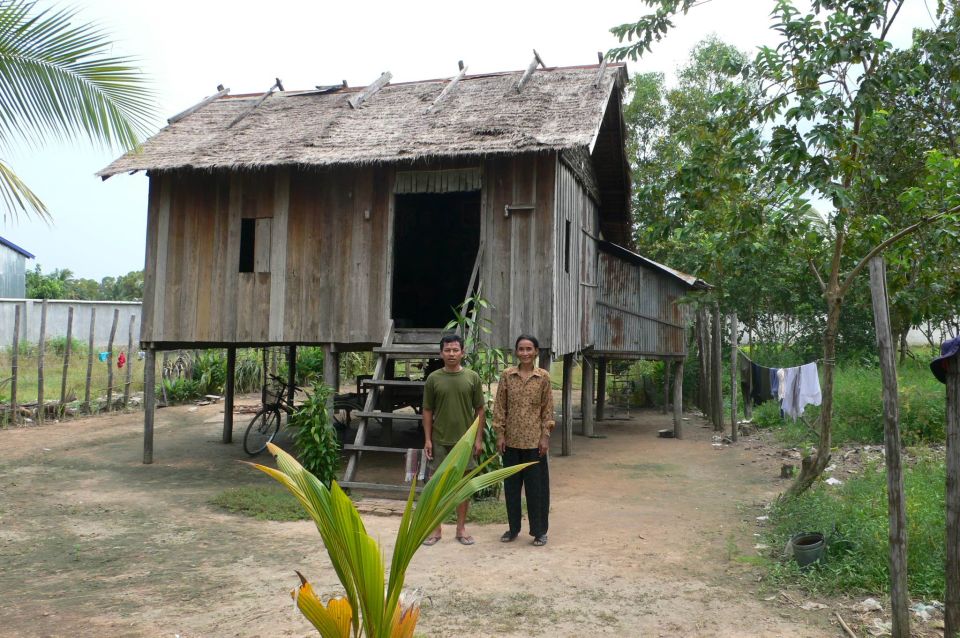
(262, 503)
(210, 371)
(309, 366)
(58, 346)
(180, 390)
(249, 370)
(317, 446)
(61, 284)
(485, 511)
(853, 517)
(61, 80)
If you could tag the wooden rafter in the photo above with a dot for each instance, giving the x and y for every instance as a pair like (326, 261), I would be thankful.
(449, 87)
(276, 85)
(199, 105)
(534, 63)
(357, 100)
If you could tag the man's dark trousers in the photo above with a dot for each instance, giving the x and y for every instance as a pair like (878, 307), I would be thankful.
(535, 481)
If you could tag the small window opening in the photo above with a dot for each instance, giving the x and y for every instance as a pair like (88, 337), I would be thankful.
(566, 246)
(248, 236)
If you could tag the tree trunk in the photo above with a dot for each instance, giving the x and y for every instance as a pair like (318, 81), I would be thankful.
(716, 370)
(813, 467)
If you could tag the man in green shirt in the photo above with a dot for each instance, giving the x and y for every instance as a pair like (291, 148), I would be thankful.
(452, 399)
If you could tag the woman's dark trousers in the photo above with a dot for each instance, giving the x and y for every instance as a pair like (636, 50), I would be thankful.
(535, 481)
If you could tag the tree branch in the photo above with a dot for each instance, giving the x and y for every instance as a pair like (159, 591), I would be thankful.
(888, 242)
(816, 273)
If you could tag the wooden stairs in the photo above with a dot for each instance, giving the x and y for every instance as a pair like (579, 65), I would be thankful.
(398, 345)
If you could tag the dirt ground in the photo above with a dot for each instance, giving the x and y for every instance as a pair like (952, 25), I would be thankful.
(648, 537)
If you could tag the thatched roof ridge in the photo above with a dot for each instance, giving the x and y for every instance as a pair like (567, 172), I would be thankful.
(558, 108)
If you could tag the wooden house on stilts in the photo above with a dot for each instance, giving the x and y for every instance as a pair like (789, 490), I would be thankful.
(355, 219)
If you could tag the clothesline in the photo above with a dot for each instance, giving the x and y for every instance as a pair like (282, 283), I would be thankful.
(795, 387)
(744, 355)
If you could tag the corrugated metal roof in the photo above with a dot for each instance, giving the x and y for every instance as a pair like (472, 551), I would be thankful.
(690, 280)
(13, 246)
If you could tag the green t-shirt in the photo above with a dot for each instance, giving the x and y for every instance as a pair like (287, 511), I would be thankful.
(453, 397)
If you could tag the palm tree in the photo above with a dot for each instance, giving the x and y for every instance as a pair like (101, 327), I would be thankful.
(59, 81)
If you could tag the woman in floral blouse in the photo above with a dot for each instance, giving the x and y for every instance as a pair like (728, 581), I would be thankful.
(523, 421)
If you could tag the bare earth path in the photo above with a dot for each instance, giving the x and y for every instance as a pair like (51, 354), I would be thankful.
(647, 538)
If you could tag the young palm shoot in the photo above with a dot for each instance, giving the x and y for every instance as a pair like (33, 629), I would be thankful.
(373, 605)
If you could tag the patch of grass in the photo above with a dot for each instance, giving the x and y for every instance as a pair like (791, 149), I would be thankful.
(641, 470)
(262, 503)
(485, 512)
(853, 517)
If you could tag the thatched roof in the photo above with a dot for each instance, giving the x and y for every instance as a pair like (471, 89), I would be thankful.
(558, 108)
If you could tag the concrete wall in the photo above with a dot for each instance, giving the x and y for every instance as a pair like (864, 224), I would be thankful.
(57, 311)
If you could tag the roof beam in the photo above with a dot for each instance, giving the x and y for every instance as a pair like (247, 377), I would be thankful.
(536, 61)
(199, 105)
(276, 85)
(603, 68)
(357, 100)
(449, 87)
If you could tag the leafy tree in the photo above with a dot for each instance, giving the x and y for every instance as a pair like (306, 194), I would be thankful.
(819, 89)
(59, 80)
(50, 286)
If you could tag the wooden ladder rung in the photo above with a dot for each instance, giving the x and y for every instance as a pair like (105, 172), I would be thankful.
(377, 448)
(399, 416)
(383, 487)
(393, 383)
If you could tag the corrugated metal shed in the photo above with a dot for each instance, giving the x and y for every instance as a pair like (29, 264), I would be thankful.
(13, 269)
(638, 314)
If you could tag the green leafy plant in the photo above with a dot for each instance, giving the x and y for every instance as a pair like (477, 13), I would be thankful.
(180, 390)
(374, 604)
(315, 438)
(210, 371)
(249, 371)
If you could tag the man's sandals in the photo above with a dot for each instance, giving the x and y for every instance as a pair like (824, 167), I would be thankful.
(540, 541)
(508, 537)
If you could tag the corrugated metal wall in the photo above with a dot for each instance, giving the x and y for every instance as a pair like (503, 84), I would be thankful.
(12, 273)
(637, 313)
(575, 256)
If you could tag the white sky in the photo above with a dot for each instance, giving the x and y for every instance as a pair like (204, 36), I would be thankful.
(187, 48)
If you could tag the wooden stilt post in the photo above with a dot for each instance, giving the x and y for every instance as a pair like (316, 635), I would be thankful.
(678, 399)
(90, 353)
(149, 401)
(128, 381)
(601, 387)
(716, 370)
(586, 395)
(229, 391)
(703, 359)
(291, 373)
(896, 510)
(66, 357)
(329, 373)
(41, 348)
(15, 365)
(748, 399)
(113, 334)
(734, 369)
(666, 386)
(952, 610)
(567, 398)
(336, 371)
(544, 361)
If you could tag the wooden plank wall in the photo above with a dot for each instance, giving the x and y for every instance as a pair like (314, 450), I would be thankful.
(572, 301)
(637, 313)
(518, 254)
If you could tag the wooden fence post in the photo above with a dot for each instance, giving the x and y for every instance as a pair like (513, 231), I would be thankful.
(678, 399)
(567, 398)
(66, 357)
(90, 346)
(896, 512)
(952, 611)
(15, 364)
(716, 370)
(113, 333)
(41, 347)
(586, 395)
(130, 359)
(734, 369)
(149, 401)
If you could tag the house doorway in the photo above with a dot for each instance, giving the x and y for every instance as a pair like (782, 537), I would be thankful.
(436, 237)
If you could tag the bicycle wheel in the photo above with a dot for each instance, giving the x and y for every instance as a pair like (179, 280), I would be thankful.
(341, 416)
(263, 427)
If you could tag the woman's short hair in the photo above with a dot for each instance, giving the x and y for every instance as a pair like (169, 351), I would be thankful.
(526, 337)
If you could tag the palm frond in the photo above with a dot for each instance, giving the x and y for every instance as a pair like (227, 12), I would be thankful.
(17, 197)
(59, 80)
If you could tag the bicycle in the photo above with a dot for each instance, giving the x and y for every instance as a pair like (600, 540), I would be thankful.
(265, 424)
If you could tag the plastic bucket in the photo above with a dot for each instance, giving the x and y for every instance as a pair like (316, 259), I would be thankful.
(808, 548)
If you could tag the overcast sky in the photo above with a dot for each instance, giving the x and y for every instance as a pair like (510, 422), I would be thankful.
(188, 48)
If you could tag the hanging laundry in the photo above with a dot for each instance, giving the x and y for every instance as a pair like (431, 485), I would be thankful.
(761, 384)
(774, 383)
(808, 387)
(103, 356)
(746, 379)
(121, 360)
(781, 373)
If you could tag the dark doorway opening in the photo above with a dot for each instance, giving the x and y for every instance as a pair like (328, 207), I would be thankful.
(436, 237)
